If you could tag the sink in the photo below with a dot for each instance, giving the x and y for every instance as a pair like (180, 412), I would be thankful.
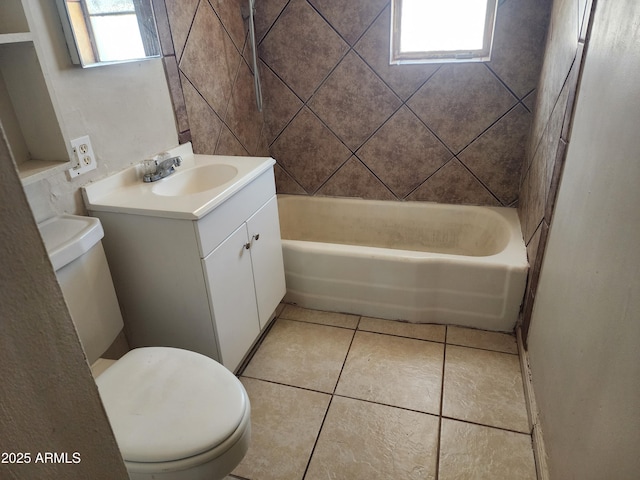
(195, 180)
(200, 184)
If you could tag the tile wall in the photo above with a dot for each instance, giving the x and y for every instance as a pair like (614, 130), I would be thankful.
(550, 132)
(337, 118)
(341, 122)
(207, 61)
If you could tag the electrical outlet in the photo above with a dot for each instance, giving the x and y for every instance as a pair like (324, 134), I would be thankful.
(84, 159)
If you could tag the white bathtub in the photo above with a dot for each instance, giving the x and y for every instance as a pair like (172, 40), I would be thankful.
(413, 261)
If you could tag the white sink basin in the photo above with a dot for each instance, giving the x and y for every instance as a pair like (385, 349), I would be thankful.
(200, 184)
(195, 180)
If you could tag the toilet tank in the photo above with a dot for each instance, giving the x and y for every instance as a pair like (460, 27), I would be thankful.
(75, 249)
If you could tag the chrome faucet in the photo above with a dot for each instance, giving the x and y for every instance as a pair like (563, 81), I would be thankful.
(163, 169)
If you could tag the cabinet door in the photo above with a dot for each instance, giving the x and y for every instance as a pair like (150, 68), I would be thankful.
(230, 282)
(266, 255)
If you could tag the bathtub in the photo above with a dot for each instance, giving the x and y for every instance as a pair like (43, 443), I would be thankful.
(412, 261)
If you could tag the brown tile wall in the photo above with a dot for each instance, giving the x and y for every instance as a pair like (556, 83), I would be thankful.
(341, 121)
(550, 132)
(207, 62)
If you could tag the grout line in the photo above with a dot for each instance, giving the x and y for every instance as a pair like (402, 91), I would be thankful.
(357, 328)
(402, 336)
(481, 348)
(326, 413)
(392, 406)
(315, 443)
(307, 389)
(535, 436)
(345, 360)
(439, 444)
(341, 395)
(485, 425)
(318, 323)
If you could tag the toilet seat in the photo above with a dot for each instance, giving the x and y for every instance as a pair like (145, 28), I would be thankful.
(168, 405)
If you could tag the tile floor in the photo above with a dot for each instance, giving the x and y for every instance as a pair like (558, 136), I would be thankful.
(338, 396)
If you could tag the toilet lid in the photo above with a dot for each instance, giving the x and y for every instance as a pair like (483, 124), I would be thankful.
(167, 404)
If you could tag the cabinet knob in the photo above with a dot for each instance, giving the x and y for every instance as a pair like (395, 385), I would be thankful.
(256, 236)
(247, 245)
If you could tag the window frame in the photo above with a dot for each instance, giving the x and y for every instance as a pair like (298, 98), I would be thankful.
(397, 57)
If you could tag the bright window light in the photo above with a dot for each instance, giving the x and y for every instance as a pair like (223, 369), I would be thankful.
(117, 37)
(441, 30)
(115, 28)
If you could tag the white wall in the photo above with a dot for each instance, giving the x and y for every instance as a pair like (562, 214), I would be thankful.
(584, 342)
(125, 109)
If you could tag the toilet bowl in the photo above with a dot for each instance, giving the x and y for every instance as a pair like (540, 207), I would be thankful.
(175, 414)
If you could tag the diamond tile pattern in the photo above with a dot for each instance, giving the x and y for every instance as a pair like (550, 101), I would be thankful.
(302, 48)
(460, 101)
(454, 183)
(350, 19)
(496, 156)
(214, 78)
(210, 52)
(329, 59)
(307, 137)
(346, 107)
(355, 177)
(403, 153)
(367, 103)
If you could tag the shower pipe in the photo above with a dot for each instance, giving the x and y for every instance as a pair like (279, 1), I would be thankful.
(256, 74)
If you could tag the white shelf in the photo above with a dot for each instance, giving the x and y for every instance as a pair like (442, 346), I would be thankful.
(27, 113)
(35, 170)
(21, 37)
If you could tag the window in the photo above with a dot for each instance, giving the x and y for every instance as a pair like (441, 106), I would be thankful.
(115, 20)
(112, 30)
(430, 31)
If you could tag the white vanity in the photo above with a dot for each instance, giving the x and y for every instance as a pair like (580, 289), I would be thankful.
(196, 257)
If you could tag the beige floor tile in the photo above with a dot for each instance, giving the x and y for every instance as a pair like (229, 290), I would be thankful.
(468, 337)
(285, 422)
(366, 441)
(484, 387)
(476, 452)
(421, 331)
(293, 312)
(402, 372)
(302, 355)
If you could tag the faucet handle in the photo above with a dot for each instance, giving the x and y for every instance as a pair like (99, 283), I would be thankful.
(169, 163)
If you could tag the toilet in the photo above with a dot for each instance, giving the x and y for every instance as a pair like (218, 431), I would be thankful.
(175, 414)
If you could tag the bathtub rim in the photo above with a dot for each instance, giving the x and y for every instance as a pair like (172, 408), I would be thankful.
(514, 252)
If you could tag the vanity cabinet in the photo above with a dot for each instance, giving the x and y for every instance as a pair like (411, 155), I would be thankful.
(209, 285)
(240, 274)
(28, 109)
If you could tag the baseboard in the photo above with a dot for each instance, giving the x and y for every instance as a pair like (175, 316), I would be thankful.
(539, 451)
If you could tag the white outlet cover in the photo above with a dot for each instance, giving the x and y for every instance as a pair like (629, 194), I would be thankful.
(84, 159)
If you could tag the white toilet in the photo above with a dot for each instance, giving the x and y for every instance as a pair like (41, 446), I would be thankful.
(176, 414)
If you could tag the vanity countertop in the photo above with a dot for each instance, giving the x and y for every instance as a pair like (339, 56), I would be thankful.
(125, 192)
